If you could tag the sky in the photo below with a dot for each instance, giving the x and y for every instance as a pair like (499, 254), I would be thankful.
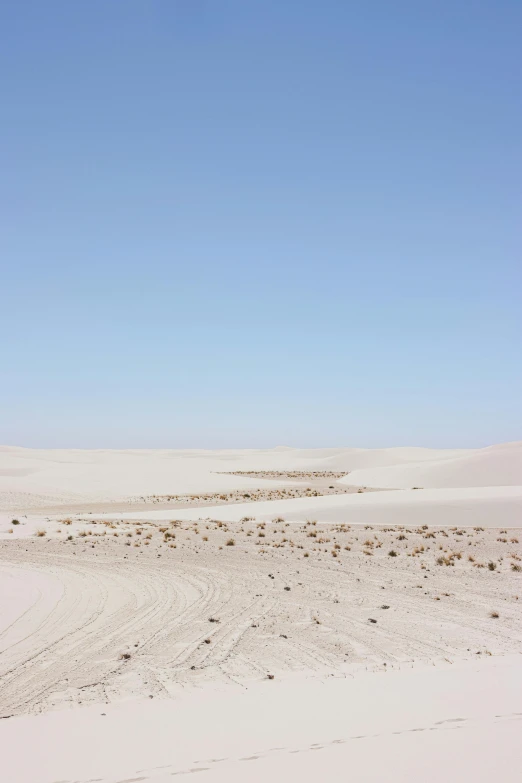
(253, 223)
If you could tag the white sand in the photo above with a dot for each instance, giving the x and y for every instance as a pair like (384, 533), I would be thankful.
(443, 725)
(431, 691)
(494, 466)
(488, 506)
(32, 478)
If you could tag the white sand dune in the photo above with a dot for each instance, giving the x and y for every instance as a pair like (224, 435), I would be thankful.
(46, 477)
(493, 466)
(486, 506)
(32, 478)
(142, 650)
(362, 459)
(439, 725)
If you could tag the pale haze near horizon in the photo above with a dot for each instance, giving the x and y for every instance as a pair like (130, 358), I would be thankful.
(253, 225)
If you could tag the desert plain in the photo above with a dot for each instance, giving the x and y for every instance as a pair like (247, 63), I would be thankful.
(308, 614)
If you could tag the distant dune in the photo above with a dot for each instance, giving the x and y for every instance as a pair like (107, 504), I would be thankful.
(33, 478)
(490, 467)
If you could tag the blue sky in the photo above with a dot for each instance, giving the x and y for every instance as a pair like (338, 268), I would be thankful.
(234, 224)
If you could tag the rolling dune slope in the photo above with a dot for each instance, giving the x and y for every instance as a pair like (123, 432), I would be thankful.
(490, 467)
(33, 478)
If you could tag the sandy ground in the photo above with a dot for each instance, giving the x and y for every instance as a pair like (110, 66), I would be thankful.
(448, 724)
(284, 598)
(376, 633)
(33, 478)
(488, 506)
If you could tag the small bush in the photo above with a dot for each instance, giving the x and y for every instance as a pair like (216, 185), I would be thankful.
(447, 561)
(231, 542)
(392, 553)
(15, 522)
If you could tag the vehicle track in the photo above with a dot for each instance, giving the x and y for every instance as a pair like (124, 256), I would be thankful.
(104, 620)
